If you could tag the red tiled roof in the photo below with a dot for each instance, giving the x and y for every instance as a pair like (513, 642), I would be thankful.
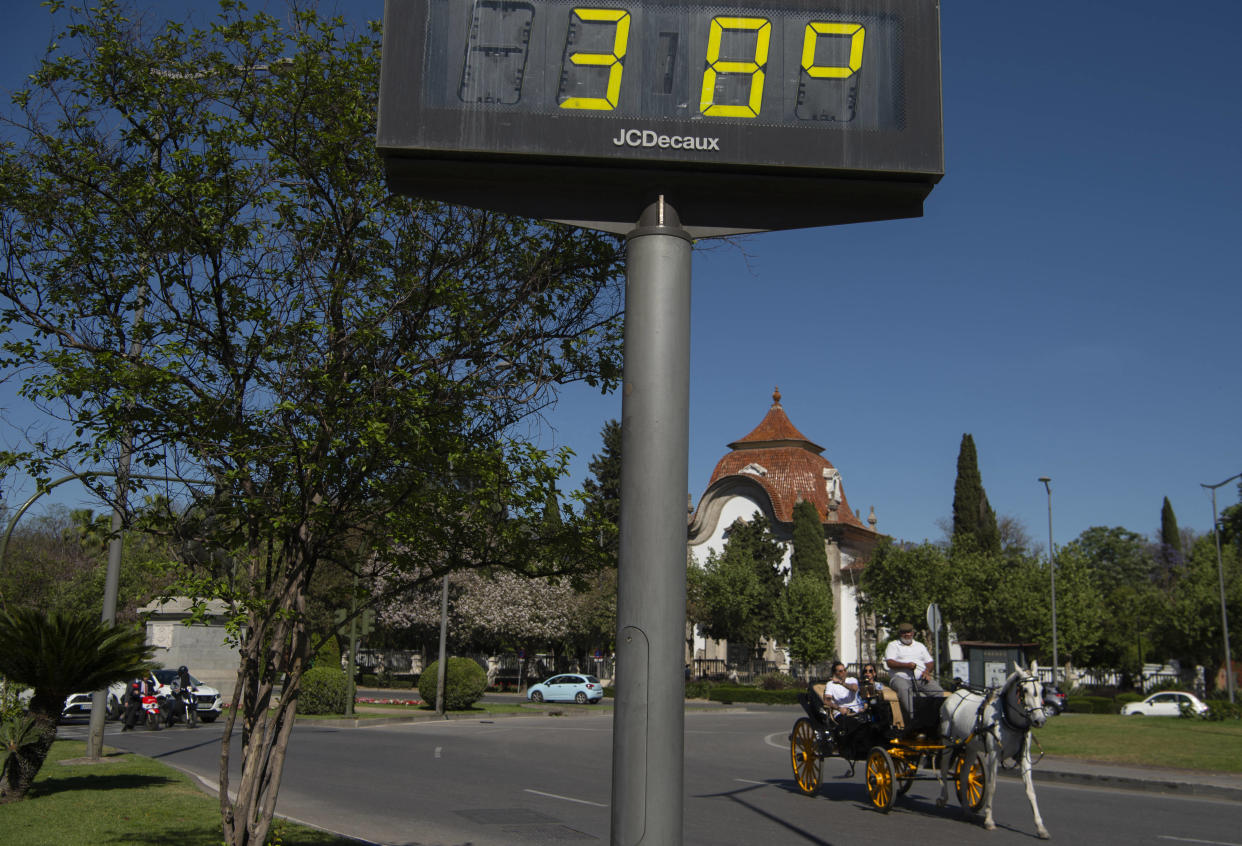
(775, 429)
(795, 468)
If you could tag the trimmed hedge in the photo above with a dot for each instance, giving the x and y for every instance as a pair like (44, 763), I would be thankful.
(1093, 705)
(464, 683)
(325, 690)
(728, 694)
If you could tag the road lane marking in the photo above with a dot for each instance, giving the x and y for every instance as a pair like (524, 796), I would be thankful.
(565, 798)
(438, 748)
(1196, 840)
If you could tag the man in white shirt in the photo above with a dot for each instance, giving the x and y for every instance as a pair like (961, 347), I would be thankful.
(910, 669)
(841, 692)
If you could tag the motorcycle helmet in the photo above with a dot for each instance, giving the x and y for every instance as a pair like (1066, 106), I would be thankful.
(181, 671)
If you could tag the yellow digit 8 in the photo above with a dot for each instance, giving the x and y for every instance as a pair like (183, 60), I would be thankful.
(814, 30)
(762, 28)
(612, 60)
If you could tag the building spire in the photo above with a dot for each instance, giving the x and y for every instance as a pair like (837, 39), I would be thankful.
(776, 396)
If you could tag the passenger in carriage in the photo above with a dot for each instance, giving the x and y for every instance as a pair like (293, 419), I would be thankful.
(841, 693)
(910, 669)
(871, 684)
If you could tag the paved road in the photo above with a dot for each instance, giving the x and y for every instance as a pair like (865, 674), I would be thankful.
(539, 780)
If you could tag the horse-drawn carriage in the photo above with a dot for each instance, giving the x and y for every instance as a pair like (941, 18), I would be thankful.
(963, 736)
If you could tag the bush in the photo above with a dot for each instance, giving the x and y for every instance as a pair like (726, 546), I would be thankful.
(325, 690)
(329, 654)
(1223, 709)
(700, 689)
(464, 683)
(778, 681)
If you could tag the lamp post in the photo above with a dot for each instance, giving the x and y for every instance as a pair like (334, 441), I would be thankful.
(1220, 568)
(1052, 570)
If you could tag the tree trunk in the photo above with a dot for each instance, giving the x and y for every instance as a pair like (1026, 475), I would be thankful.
(247, 815)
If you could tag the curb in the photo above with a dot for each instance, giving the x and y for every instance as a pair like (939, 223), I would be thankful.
(363, 722)
(1161, 783)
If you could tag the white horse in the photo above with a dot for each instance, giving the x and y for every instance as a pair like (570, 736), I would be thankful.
(1002, 719)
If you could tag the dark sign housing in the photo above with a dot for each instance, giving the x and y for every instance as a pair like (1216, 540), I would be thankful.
(744, 115)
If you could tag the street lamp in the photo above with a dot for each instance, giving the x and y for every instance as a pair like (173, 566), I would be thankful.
(1052, 570)
(1220, 568)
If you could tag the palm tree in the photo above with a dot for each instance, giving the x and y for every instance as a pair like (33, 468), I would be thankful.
(58, 655)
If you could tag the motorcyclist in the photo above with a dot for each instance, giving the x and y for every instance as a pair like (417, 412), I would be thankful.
(182, 692)
(133, 704)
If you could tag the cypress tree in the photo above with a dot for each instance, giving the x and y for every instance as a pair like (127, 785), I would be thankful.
(809, 556)
(972, 515)
(603, 488)
(1170, 535)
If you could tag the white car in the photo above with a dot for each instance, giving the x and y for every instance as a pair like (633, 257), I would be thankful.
(79, 704)
(1166, 703)
(208, 700)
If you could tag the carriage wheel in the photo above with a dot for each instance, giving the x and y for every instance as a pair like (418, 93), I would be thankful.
(907, 769)
(807, 764)
(881, 778)
(972, 779)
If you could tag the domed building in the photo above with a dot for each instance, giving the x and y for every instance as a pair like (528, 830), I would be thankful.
(768, 472)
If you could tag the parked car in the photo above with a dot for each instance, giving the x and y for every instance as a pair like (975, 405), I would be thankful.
(79, 704)
(567, 687)
(1055, 700)
(1166, 703)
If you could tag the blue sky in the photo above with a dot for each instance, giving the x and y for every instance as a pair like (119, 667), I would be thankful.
(1070, 297)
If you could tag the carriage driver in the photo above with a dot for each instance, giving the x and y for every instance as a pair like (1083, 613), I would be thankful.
(910, 669)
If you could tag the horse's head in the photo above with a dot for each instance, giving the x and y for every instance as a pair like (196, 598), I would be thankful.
(1027, 695)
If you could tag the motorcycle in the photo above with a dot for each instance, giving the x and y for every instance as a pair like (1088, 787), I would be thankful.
(181, 706)
(151, 712)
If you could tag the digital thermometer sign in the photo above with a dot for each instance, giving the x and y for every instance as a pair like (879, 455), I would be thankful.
(751, 115)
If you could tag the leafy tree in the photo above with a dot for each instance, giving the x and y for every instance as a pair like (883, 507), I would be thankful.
(1231, 523)
(809, 553)
(986, 596)
(972, 515)
(57, 561)
(204, 262)
(57, 654)
(901, 580)
(737, 592)
(1122, 567)
(1190, 624)
(805, 620)
(1080, 616)
(1115, 556)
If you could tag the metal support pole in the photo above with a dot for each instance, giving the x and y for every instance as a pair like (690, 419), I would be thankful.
(1052, 570)
(648, 779)
(1220, 568)
(351, 689)
(442, 667)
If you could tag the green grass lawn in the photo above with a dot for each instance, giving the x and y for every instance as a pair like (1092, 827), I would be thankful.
(1177, 742)
(124, 799)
